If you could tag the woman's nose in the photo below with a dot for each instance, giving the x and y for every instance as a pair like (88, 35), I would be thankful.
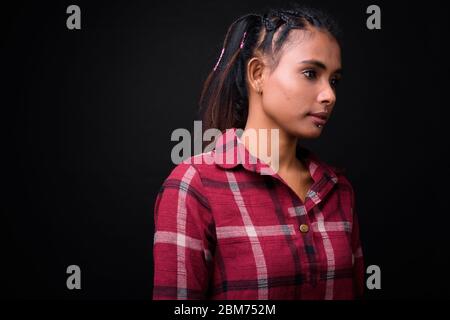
(327, 96)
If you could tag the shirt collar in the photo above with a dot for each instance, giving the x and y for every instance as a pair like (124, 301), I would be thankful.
(230, 151)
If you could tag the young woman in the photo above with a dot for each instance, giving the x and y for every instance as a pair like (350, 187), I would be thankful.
(226, 230)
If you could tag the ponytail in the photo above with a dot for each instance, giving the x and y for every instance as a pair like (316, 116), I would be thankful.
(224, 99)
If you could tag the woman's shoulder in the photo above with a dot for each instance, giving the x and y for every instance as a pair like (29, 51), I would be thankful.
(339, 172)
(311, 157)
(343, 182)
(184, 178)
(193, 167)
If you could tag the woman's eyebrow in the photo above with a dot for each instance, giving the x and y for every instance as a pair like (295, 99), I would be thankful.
(320, 65)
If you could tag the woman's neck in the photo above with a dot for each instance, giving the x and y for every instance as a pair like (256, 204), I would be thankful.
(273, 146)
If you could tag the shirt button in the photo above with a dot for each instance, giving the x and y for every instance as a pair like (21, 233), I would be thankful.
(304, 228)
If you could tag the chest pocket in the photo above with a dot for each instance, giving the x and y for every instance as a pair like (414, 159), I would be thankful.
(266, 254)
(337, 253)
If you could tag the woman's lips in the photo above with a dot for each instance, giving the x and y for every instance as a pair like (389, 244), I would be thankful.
(319, 118)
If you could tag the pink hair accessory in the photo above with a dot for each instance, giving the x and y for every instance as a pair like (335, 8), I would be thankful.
(243, 38)
(223, 49)
(220, 58)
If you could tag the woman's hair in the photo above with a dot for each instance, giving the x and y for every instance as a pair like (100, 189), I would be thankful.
(224, 98)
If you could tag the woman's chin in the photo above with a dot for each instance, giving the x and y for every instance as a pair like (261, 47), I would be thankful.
(310, 133)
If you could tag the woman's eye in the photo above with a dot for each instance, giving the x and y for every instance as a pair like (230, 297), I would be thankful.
(334, 82)
(310, 74)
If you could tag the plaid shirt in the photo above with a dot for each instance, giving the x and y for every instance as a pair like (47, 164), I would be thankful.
(224, 231)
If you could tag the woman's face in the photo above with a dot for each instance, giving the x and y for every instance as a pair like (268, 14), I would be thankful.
(303, 83)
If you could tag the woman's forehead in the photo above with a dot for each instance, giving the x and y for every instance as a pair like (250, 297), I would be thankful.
(312, 45)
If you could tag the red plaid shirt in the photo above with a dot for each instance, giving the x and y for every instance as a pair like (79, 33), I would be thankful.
(223, 230)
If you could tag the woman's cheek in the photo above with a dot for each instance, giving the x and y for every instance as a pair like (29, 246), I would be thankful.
(273, 101)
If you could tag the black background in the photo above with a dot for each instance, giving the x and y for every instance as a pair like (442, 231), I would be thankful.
(87, 117)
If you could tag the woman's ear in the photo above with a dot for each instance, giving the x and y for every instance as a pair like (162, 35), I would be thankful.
(255, 74)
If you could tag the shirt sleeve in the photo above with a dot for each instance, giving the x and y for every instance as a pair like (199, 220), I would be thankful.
(182, 244)
(358, 259)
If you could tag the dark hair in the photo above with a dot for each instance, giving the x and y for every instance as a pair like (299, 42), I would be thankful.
(224, 98)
